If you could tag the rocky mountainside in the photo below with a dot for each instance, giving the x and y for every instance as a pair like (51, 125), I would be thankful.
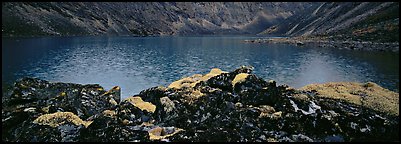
(359, 21)
(235, 106)
(144, 18)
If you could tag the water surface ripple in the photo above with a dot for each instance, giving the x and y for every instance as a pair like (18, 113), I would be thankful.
(137, 63)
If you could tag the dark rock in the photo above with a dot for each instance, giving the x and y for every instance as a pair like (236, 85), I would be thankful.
(223, 106)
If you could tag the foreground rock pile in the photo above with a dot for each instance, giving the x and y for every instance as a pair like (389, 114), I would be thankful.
(218, 106)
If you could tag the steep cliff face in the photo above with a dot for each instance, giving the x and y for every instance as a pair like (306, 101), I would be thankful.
(372, 21)
(144, 18)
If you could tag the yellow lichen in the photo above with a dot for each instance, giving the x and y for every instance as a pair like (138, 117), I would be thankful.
(369, 95)
(196, 94)
(213, 90)
(239, 78)
(159, 133)
(63, 94)
(277, 114)
(263, 114)
(109, 113)
(266, 108)
(116, 88)
(186, 85)
(46, 109)
(162, 88)
(113, 102)
(192, 95)
(139, 103)
(59, 118)
(302, 97)
(272, 140)
(184, 82)
(238, 105)
(369, 84)
(214, 72)
(268, 111)
(112, 90)
(125, 122)
(195, 79)
(147, 123)
(107, 92)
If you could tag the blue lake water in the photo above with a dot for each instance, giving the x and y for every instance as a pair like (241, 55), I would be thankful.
(138, 63)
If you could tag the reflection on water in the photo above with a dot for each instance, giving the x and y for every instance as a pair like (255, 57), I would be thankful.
(137, 63)
(318, 67)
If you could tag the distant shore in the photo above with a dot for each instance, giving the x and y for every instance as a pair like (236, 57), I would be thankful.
(323, 42)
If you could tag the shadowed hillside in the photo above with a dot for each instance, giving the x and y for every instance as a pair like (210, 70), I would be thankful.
(361, 21)
(143, 18)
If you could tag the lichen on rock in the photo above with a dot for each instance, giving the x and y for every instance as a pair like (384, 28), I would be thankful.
(239, 78)
(368, 94)
(159, 133)
(195, 79)
(139, 103)
(185, 82)
(235, 106)
(109, 113)
(59, 118)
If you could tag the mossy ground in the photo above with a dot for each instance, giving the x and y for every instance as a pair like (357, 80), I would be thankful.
(368, 94)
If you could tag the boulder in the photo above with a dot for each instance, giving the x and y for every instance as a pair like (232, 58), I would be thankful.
(235, 106)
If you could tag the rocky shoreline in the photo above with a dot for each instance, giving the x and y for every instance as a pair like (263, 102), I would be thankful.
(331, 43)
(218, 106)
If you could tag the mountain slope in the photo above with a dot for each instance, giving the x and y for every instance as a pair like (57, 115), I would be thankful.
(143, 18)
(372, 21)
